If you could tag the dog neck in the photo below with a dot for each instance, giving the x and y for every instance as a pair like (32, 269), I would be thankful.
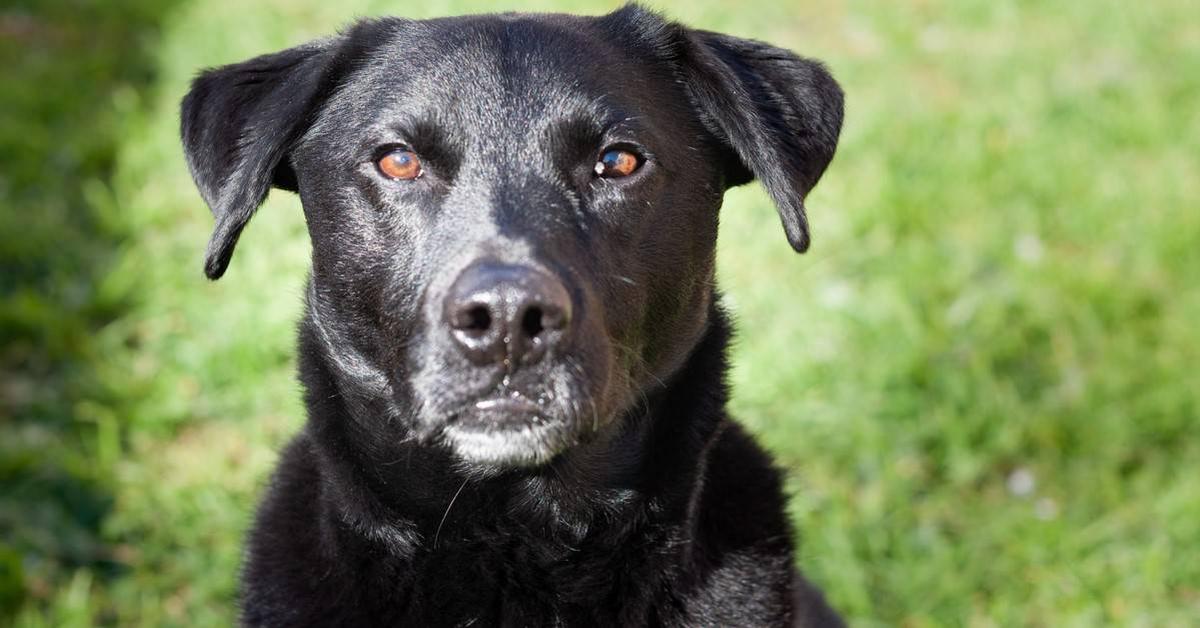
(410, 496)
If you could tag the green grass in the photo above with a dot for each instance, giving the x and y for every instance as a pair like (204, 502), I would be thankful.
(72, 70)
(1003, 288)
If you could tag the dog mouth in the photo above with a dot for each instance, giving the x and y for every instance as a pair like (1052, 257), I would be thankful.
(507, 410)
(508, 429)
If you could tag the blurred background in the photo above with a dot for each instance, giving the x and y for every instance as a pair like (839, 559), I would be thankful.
(982, 380)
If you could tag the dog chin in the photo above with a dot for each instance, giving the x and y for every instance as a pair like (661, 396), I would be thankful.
(503, 434)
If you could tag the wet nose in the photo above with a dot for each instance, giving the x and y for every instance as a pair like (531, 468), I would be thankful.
(506, 314)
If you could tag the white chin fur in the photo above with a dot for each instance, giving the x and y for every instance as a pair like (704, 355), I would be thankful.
(523, 446)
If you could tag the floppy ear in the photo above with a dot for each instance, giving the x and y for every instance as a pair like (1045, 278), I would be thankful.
(779, 114)
(239, 123)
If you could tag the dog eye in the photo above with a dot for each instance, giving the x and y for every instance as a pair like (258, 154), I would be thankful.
(400, 164)
(617, 163)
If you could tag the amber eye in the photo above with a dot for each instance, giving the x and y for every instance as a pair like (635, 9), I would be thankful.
(617, 163)
(400, 164)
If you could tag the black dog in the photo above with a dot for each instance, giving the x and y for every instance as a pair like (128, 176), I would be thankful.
(513, 354)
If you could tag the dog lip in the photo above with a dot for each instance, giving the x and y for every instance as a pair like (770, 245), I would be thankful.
(512, 404)
(503, 407)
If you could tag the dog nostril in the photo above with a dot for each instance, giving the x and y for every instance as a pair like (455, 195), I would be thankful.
(531, 322)
(474, 319)
(479, 318)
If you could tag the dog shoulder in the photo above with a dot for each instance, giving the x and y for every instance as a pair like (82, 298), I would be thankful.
(743, 546)
(286, 577)
(743, 505)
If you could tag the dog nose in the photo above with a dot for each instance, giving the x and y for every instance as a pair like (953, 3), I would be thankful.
(506, 314)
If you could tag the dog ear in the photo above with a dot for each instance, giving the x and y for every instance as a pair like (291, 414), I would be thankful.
(779, 114)
(239, 123)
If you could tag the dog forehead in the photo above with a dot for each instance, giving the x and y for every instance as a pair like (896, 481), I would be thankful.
(499, 70)
(496, 51)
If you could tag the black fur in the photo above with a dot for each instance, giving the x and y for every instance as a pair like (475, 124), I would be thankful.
(629, 498)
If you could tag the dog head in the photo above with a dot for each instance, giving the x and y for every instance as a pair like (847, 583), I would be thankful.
(514, 217)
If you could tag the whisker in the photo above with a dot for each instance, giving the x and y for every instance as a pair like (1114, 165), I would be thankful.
(581, 393)
(637, 363)
(438, 533)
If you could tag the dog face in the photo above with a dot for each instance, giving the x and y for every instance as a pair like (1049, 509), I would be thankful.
(513, 218)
